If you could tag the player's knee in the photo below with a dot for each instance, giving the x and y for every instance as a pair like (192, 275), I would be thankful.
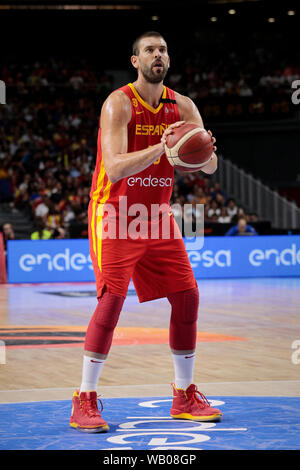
(108, 310)
(185, 306)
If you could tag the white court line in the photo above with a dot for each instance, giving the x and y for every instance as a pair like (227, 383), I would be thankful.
(256, 382)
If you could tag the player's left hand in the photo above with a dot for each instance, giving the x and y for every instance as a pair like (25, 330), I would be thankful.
(213, 139)
(169, 130)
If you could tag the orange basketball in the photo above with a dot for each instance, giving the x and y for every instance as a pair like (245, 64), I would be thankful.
(189, 147)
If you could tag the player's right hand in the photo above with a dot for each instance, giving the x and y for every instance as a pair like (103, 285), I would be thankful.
(169, 130)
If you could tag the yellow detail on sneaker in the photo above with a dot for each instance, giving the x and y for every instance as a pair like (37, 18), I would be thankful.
(104, 427)
(216, 416)
(183, 389)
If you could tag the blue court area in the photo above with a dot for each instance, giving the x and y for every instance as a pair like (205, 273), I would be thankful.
(249, 423)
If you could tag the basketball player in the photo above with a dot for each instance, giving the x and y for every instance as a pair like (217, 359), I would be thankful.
(134, 124)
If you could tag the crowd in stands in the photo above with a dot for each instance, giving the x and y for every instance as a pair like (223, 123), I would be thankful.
(198, 196)
(48, 133)
(48, 138)
(256, 67)
(228, 79)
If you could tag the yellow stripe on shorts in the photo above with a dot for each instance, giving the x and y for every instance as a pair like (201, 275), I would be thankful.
(95, 196)
(103, 200)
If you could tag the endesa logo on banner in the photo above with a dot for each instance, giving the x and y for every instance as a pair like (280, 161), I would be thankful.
(216, 257)
(49, 261)
(246, 256)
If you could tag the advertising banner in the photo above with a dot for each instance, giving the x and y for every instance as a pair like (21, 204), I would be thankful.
(49, 261)
(218, 257)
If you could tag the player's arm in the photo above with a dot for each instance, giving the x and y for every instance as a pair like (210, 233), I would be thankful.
(118, 162)
(190, 114)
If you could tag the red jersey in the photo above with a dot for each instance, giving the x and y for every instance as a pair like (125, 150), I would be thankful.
(154, 184)
(138, 253)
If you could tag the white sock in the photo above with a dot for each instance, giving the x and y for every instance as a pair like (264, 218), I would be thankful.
(184, 369)
(91, 370)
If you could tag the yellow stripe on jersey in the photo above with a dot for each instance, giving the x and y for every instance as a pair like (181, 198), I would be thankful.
(93, 226)
(95, 196)
(146, 105)
(103, 200)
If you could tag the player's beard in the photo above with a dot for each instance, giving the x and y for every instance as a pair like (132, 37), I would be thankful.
(154, 77)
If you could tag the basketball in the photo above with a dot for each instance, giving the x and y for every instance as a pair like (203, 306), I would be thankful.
(189, 147)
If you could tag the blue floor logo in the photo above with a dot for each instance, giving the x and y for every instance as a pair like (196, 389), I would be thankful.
(269, 423)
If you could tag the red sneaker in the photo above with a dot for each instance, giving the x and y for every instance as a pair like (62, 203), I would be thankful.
(191, 404)
(85, 415)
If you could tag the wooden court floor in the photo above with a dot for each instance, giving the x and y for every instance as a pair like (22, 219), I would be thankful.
(247, 331)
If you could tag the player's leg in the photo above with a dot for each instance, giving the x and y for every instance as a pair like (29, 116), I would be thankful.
(113, 262)
(85, 414)
(165, 271)
(99, 337)
(183, 334)
(188, 403)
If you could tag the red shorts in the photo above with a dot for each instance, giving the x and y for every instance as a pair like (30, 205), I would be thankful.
(158, 267)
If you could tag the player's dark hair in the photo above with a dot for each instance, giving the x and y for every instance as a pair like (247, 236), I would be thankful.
(148, 34)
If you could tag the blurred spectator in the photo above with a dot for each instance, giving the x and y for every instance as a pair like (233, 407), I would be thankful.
(53, 220)
(253, 218)
(8, 233)
(78, 227)
(224, 218)
(58, 233)
(199, 195)
(241, 228)
(5, 185)
(232, 208)
(41, 233)
(216, 191)
(214, 210)
(40, 206)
